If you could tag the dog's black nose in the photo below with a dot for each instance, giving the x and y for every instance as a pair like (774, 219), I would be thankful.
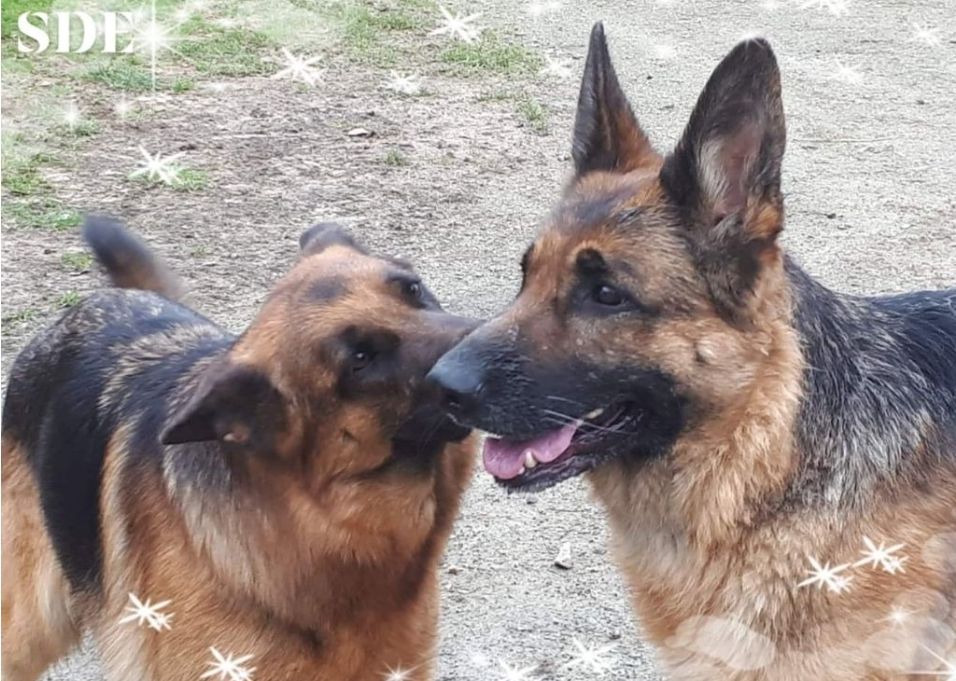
(459, 384)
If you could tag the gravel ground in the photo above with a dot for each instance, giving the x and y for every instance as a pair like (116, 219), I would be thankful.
(868, 173)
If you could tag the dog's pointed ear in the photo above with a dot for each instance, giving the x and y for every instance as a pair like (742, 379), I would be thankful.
(234, 404)
(607, 136)
(724, 174)
(729, 156)
(325, 234)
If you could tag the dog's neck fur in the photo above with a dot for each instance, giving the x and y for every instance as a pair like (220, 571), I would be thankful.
(733, 467)
(867, 405)
(318, 586)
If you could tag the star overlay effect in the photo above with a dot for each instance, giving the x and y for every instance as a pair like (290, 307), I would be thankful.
(836, 7)
(539, 8)
(299, 68)
(457, 26)
(510, 673)
(147, 613)
(152, 37)
(156, 168)
(947, 672)
(72, 115)
(398, 674)
(927, 36)
(407, 85)
(226, 667)
(824, 576)
(591, 658)
(559, 68)
(882, 556)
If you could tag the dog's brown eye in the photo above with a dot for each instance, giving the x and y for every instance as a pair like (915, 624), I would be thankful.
(607, 295)
(413, 289)
(361, 359)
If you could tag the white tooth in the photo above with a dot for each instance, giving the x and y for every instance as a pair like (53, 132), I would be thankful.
(529, 460)
(594, 414)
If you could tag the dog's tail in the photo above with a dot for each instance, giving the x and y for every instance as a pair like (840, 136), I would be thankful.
(129, 263)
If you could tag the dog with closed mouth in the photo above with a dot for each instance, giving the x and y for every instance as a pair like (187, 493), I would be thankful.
(737, 419)
(284, 495)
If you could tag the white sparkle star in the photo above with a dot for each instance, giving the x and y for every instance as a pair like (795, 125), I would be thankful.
(123, 107)
(151, 36)
(298, 68)
(664, 51)
(407, 85)
(398, 674)
(898, 616)
(592, 657)
(836, 7)
(227, 667)
(147, 613)
(540, 8)
(188, 9)
(158, 168)
(479, 659)
(825, 576)
(515, 674)
(559, 68)
(927, 36)
(881, 556)
(72, 115)
(458, 26)
(948, 671)
(848, 74)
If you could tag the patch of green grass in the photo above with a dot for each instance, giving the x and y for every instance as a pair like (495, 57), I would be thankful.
(186, 180)
(120, 74)
(217, 51)
(190, 180)
(11, 322)
(363, 23)
(21, 177)
(366, 28)
(12, 9)
(534, 114)
(82, 128)
(200, 251)
(495, 96)
(68, 299)
(181, 85)
(395, 158)
(76, 261)
(43, 213)
(490, 54)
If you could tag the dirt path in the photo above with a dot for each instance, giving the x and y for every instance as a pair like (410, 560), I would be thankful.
(456, 180)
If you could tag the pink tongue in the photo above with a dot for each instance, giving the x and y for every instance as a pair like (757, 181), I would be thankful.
(504, 459)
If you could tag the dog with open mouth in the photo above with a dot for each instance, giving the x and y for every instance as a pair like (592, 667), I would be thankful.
(286, 494)
(741, 423)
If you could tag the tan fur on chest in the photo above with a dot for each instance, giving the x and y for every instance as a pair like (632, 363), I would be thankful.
(266, 584)
(735, 610)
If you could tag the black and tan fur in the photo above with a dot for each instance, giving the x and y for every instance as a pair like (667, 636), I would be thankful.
(289, 490)
(753, 419)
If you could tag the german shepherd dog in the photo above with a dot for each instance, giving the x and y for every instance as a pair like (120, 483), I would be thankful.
(282, 497)
(738, 420)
